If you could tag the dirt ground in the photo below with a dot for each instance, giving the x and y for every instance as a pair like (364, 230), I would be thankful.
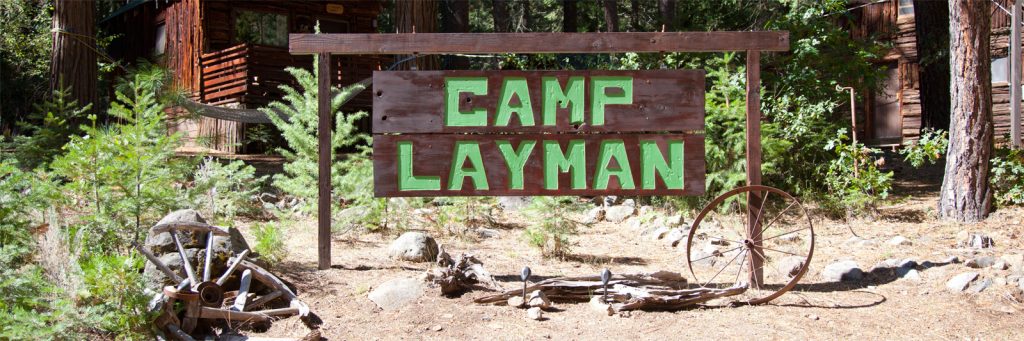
(874, 308)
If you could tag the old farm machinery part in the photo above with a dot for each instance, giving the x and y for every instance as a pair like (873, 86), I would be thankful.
(245, 294)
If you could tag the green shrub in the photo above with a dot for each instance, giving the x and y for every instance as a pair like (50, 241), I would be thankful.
(459, 215)
(928, 149)
(269, 243)
(57, 120)
(224, 190)
(549, 226)
(857, 190)
(1007, 177)
(112, 301)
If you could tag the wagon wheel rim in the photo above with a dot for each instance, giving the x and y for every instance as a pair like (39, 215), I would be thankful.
(786, 235)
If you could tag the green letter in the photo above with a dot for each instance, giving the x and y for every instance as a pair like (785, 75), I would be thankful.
(613, 149)
(552, 96)
(515, 160)
(652, 160)
(600, 98)
(467, 150)
(556, 162)
(453, 86)
(514, 86)
(406, 180)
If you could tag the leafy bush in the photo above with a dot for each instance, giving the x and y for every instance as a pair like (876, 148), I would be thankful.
(550, 227)
(1007, 177)
(299, 126)
(112, 300)
(269, 243)
(225, 190)
(459, 215)
(928, 149)
(125, 174)
(853, 178)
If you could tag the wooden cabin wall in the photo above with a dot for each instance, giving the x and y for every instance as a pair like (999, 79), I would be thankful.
(1000, 47)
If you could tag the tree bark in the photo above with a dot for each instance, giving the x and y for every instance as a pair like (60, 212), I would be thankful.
(455, 19)
(668, 13)
(499, 8)
(634, 19)
(417, 16)
(569, 16)
(932, 29)
(611, 15)
(73, 59)
(966, 195)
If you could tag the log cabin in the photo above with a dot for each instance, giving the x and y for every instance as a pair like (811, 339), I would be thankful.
(892, 115)
(232, 54)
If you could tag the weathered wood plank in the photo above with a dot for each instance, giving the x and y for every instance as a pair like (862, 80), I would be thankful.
(606, 42)
(324, 162)
(433, 154)
(662, 100)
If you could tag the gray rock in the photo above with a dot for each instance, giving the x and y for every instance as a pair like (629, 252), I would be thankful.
(538, 299)
(516, 301)
(413, 246)
(618, 214)
(485, 233)
(660, 232)
(1000, 265)
(791, 266)
(646, 209)
(843, 271)
(595, 215)
(396, 293)
(268, 198)
(534, 314)
(514, 204)
(980, 286)
(674, 236)
(981, 262)
(790, 238)
(960, 282)
(975, 240)
(1014, 261)
(629, 202)
(610, 200)
(899, 241)
(675, 220)
(912, 275)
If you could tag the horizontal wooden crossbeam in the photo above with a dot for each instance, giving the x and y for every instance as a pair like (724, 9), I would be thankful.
(607, 42)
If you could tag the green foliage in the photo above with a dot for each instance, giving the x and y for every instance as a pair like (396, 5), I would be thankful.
(928, 149)
(854, 181)
(112, 300)
(1007, 177)
(58, 120)
(550, 227)
(459, 215)
(123, 175)
(25, 45)
(269, 243)
(299, 125)
(222, 191)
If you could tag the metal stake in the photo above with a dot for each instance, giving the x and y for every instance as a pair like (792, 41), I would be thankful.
(606, 275)
(525, 275)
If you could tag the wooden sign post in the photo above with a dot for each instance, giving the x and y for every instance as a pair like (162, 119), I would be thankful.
(538, 133)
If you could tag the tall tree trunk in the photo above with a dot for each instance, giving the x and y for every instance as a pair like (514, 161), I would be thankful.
(455, 19)
(668, 13)
(569, 15)
(527, 17)
(966, 195)
(611, 15)
(500, 11)
(73, 59)
(417, 16)
(634, 17)
(932, 29)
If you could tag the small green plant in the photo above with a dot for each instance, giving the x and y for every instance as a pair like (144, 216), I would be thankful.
(460, 215)
(113, 301)
(928, 149)
(853, 178)
(550, 226)
(224, 190)
(269, 243)
(59, 119)
(1007, 177)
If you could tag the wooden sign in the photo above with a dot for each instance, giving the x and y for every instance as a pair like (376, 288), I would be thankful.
(458, 133)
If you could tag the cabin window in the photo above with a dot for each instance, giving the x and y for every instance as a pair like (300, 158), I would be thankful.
(1000, 70)
(261, 28)
(906, 7)
(160, 43)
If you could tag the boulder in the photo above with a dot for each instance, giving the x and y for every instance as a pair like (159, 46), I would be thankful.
(791, 266)
(396, 293)
(516, 301)
(974, 240)
(414, 247)
(981, 262)
(980, 286)
(538, 299)
(594, 215)
(1014, 261)
(674, 236)
(535, 314)
(660, 232)
(842, 271)
(899, 241)
(618, 214)
(629, 202)
(960, 282)
(514, 204)
(485, 233)
(675, 220)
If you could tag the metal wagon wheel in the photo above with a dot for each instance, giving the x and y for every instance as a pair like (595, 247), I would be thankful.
(722, 250)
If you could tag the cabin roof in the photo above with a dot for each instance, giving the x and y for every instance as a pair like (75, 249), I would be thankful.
(130, 6)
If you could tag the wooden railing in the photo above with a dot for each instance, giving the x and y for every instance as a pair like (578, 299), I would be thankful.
(247, 74)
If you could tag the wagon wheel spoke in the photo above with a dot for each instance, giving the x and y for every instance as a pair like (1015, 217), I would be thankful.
(784, 234)
(759, 233)
(722, 269)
